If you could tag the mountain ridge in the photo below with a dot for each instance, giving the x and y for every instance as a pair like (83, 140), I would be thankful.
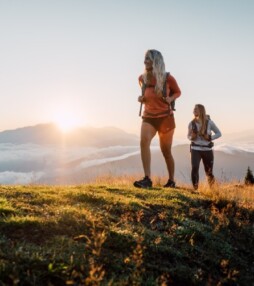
(49, 133)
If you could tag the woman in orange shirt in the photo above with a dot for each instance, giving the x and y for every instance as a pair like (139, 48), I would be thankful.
(158, 115)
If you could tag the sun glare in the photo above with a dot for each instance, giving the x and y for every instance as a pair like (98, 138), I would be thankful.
(66, 121)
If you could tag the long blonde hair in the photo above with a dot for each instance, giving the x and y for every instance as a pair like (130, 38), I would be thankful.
(158, 69)
(202, 118)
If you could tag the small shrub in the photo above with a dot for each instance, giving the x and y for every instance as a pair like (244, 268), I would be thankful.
(249, 178)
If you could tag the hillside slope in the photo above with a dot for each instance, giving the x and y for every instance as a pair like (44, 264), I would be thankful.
(227, 167)
(114, 234)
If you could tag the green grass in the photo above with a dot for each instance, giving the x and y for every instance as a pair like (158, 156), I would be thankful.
(110, 233)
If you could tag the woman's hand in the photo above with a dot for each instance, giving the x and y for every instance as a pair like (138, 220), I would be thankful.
(169, 99)
(141, 99)
(194, 135)
(207, 137)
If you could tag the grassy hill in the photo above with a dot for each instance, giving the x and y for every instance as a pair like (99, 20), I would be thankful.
(110, 233)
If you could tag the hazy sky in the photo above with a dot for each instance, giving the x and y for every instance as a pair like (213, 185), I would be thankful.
(81, 60)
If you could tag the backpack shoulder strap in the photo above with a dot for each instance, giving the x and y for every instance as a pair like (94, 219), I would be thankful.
(164, 92)
(207, 121)
(143, 86)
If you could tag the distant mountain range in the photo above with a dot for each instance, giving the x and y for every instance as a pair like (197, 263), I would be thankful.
(43, 154)
(246, 136)
(48, 134)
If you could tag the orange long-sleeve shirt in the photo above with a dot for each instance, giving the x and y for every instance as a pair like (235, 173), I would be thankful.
(155, 106)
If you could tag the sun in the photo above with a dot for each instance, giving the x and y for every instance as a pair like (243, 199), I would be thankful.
(66, 121)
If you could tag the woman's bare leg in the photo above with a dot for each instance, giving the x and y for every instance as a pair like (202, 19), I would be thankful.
(166, 140)
(147, 134)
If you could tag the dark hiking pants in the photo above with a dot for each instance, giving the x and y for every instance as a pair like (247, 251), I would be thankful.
(207, 159)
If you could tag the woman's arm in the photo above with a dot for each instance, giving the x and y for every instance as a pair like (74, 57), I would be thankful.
(217, 134)
(174, 88)
(191, 135)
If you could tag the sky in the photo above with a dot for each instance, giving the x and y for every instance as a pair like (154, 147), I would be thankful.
(78, 62)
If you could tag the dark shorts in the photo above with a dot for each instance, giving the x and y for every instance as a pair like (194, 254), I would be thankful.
(161, 124)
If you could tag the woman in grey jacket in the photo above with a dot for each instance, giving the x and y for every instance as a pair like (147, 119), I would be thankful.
(201, 132)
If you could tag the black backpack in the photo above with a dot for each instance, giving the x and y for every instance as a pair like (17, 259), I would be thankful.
(195, 130)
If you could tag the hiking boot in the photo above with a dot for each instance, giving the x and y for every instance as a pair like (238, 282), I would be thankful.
(170, 184)
(144, 183)
(195, 187)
